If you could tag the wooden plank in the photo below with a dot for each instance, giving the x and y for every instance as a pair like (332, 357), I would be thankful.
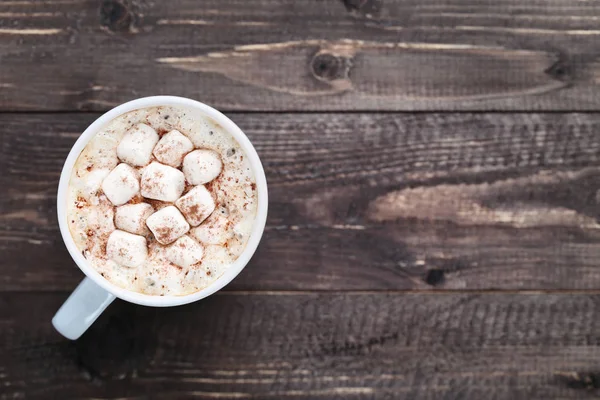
(290, 55)
(363, 201)
(310, 346)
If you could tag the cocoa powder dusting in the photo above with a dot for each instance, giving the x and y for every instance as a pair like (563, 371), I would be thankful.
(156, 204)
(136, 199)
(194, 210)
(81, 202)
(210, 186)
(103, 248)
(163, 234)
(152, 184)
(186, 187)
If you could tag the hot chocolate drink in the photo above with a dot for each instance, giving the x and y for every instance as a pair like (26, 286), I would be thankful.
(161, 201)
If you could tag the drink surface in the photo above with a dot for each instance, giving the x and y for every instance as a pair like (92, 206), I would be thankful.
(168, 159)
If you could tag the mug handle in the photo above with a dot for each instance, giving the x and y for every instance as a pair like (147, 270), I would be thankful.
(81, 309)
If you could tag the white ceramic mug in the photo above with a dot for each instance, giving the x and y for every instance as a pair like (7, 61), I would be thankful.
(95, 293)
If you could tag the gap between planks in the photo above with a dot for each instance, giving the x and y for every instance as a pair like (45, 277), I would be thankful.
(435, 292)
(321, 112)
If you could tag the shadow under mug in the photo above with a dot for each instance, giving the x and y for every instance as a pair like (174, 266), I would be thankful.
(95, 293)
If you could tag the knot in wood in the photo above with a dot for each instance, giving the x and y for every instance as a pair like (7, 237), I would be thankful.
(561, 70)
(116, 16)
(434, 277)
(365, 7)
(328, 67)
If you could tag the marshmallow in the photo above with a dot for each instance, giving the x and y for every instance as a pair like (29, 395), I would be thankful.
(201, 166)
(132, 217)
(161, 182)
(215, 230)
(185, 252)
(167, 225)
(137, 144)
(126, 249)
(172, 147)
(196, 205)
(121, 184)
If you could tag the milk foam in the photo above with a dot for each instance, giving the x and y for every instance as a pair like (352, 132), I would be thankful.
(223, 235)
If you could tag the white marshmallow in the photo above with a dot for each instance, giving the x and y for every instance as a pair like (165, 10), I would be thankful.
(172, 147)
(167, 225)
(121, 184)
(127, 249)
(161, 182)
(202, 166)
(136, 146)
(196, 205)
(132, 217)
(215, 230)
(185, 252)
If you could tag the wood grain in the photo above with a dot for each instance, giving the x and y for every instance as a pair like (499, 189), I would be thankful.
(287, 55)
(363, 201)
(310, 346)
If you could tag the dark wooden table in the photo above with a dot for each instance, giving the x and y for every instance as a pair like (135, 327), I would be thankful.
(434, 171)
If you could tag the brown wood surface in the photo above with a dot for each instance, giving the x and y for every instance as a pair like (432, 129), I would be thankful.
(302, 55)
(447, 253)
(363, 201)
(310, 346)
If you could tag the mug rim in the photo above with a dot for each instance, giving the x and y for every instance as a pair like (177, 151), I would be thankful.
(257, 229)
